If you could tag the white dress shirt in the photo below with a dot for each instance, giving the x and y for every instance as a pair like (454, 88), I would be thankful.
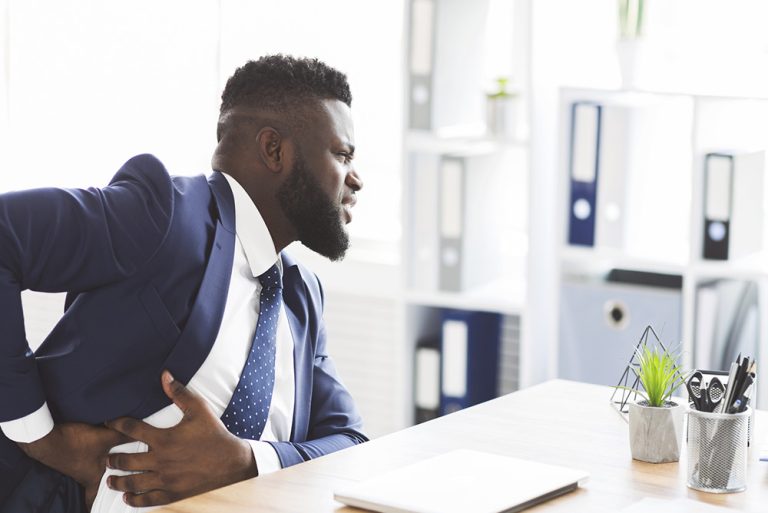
(217, 377)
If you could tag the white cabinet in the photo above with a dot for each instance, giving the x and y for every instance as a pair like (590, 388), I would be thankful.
(466, 173)
(680, 191)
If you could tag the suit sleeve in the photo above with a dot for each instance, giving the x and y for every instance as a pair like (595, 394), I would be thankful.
(71, 240)
(334, 421)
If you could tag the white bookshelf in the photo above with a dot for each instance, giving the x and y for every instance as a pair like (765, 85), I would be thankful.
(505, 187)
(696, 124)
(420, 140)
(505, 297)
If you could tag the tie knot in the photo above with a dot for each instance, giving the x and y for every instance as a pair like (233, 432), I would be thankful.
(271, 278)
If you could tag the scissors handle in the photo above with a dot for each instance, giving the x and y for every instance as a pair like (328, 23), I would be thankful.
(694, 391)
(715, 393)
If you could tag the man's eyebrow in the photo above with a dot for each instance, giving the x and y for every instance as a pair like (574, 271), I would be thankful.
(350, 146)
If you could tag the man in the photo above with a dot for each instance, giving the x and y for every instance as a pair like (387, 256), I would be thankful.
(182, 277)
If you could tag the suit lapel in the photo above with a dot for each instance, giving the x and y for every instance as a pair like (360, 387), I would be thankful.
(202, 327)
(205, 319)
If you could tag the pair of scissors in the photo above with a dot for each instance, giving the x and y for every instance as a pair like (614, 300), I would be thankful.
(705, 398)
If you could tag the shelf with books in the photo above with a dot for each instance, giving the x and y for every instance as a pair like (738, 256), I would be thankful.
(466, 167)
(429, 142)
(756, 267)
(596, 260)
(668, 184)
(502, 296)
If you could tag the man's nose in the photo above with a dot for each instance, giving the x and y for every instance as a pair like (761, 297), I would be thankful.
(354, 181)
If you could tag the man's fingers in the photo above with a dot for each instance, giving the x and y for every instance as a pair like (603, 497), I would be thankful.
(134, 429)
(183, 397)
(135, 483)
(134, 462)
(111, 438)
(153, 498)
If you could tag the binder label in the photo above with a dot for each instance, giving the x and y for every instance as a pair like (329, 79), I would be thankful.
(450, 198)
(455, 358)
(718, 203)
(428, 378)
(421, 37)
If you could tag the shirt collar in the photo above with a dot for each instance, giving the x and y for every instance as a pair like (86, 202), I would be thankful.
(252, 232)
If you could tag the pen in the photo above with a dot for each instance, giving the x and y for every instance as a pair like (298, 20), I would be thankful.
(742, 401)
(744, 385)
(745, 398)
(723, 406)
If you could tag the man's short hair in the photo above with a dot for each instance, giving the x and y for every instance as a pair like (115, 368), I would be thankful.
(278, 82)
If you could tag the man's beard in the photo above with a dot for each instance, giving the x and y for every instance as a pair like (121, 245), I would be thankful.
(315, 217)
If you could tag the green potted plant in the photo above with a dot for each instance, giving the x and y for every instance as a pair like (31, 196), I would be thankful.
(655, 421)
(502, 111)
(631, 16)
(631, 19)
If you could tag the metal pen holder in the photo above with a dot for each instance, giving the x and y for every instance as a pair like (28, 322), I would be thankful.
(717, 451)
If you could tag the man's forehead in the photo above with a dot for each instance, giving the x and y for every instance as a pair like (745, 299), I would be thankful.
(338, 117)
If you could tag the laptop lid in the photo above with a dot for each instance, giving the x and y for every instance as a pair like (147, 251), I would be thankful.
(461, 481)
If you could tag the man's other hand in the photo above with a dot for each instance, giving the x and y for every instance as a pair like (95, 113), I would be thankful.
(196, 455)
(77, 450)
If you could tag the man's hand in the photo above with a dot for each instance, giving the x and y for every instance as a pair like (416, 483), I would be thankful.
(196, 455)
(77, 450)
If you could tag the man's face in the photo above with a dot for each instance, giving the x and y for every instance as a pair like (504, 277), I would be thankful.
(319, 193)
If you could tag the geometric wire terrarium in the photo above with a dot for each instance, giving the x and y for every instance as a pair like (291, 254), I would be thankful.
(632, 374)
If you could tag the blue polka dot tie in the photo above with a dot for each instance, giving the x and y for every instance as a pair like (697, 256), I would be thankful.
(247, 411)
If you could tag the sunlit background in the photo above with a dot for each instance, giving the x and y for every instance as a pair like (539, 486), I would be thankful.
(85, 85)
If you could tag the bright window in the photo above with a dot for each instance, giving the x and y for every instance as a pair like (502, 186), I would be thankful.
(88, 84)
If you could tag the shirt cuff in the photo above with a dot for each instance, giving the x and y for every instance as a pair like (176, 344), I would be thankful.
(31, 428)
(265, 456)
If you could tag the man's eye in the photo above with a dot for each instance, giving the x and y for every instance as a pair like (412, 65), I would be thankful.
(347, 157)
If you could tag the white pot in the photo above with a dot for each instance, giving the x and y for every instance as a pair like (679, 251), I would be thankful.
(630, 55)
(502, 117)
(655, 434)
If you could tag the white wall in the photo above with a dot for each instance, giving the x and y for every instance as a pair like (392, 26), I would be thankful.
(91, 83)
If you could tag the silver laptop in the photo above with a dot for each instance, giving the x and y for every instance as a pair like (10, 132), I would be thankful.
(461, 481)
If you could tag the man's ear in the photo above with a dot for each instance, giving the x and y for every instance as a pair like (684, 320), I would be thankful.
(272, 147)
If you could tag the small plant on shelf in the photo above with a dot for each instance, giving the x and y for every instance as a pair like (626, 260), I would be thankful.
(629, 44)
(630, 19)
(502, 110)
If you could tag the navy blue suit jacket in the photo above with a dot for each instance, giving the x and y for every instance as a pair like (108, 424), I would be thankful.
(146, 262)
